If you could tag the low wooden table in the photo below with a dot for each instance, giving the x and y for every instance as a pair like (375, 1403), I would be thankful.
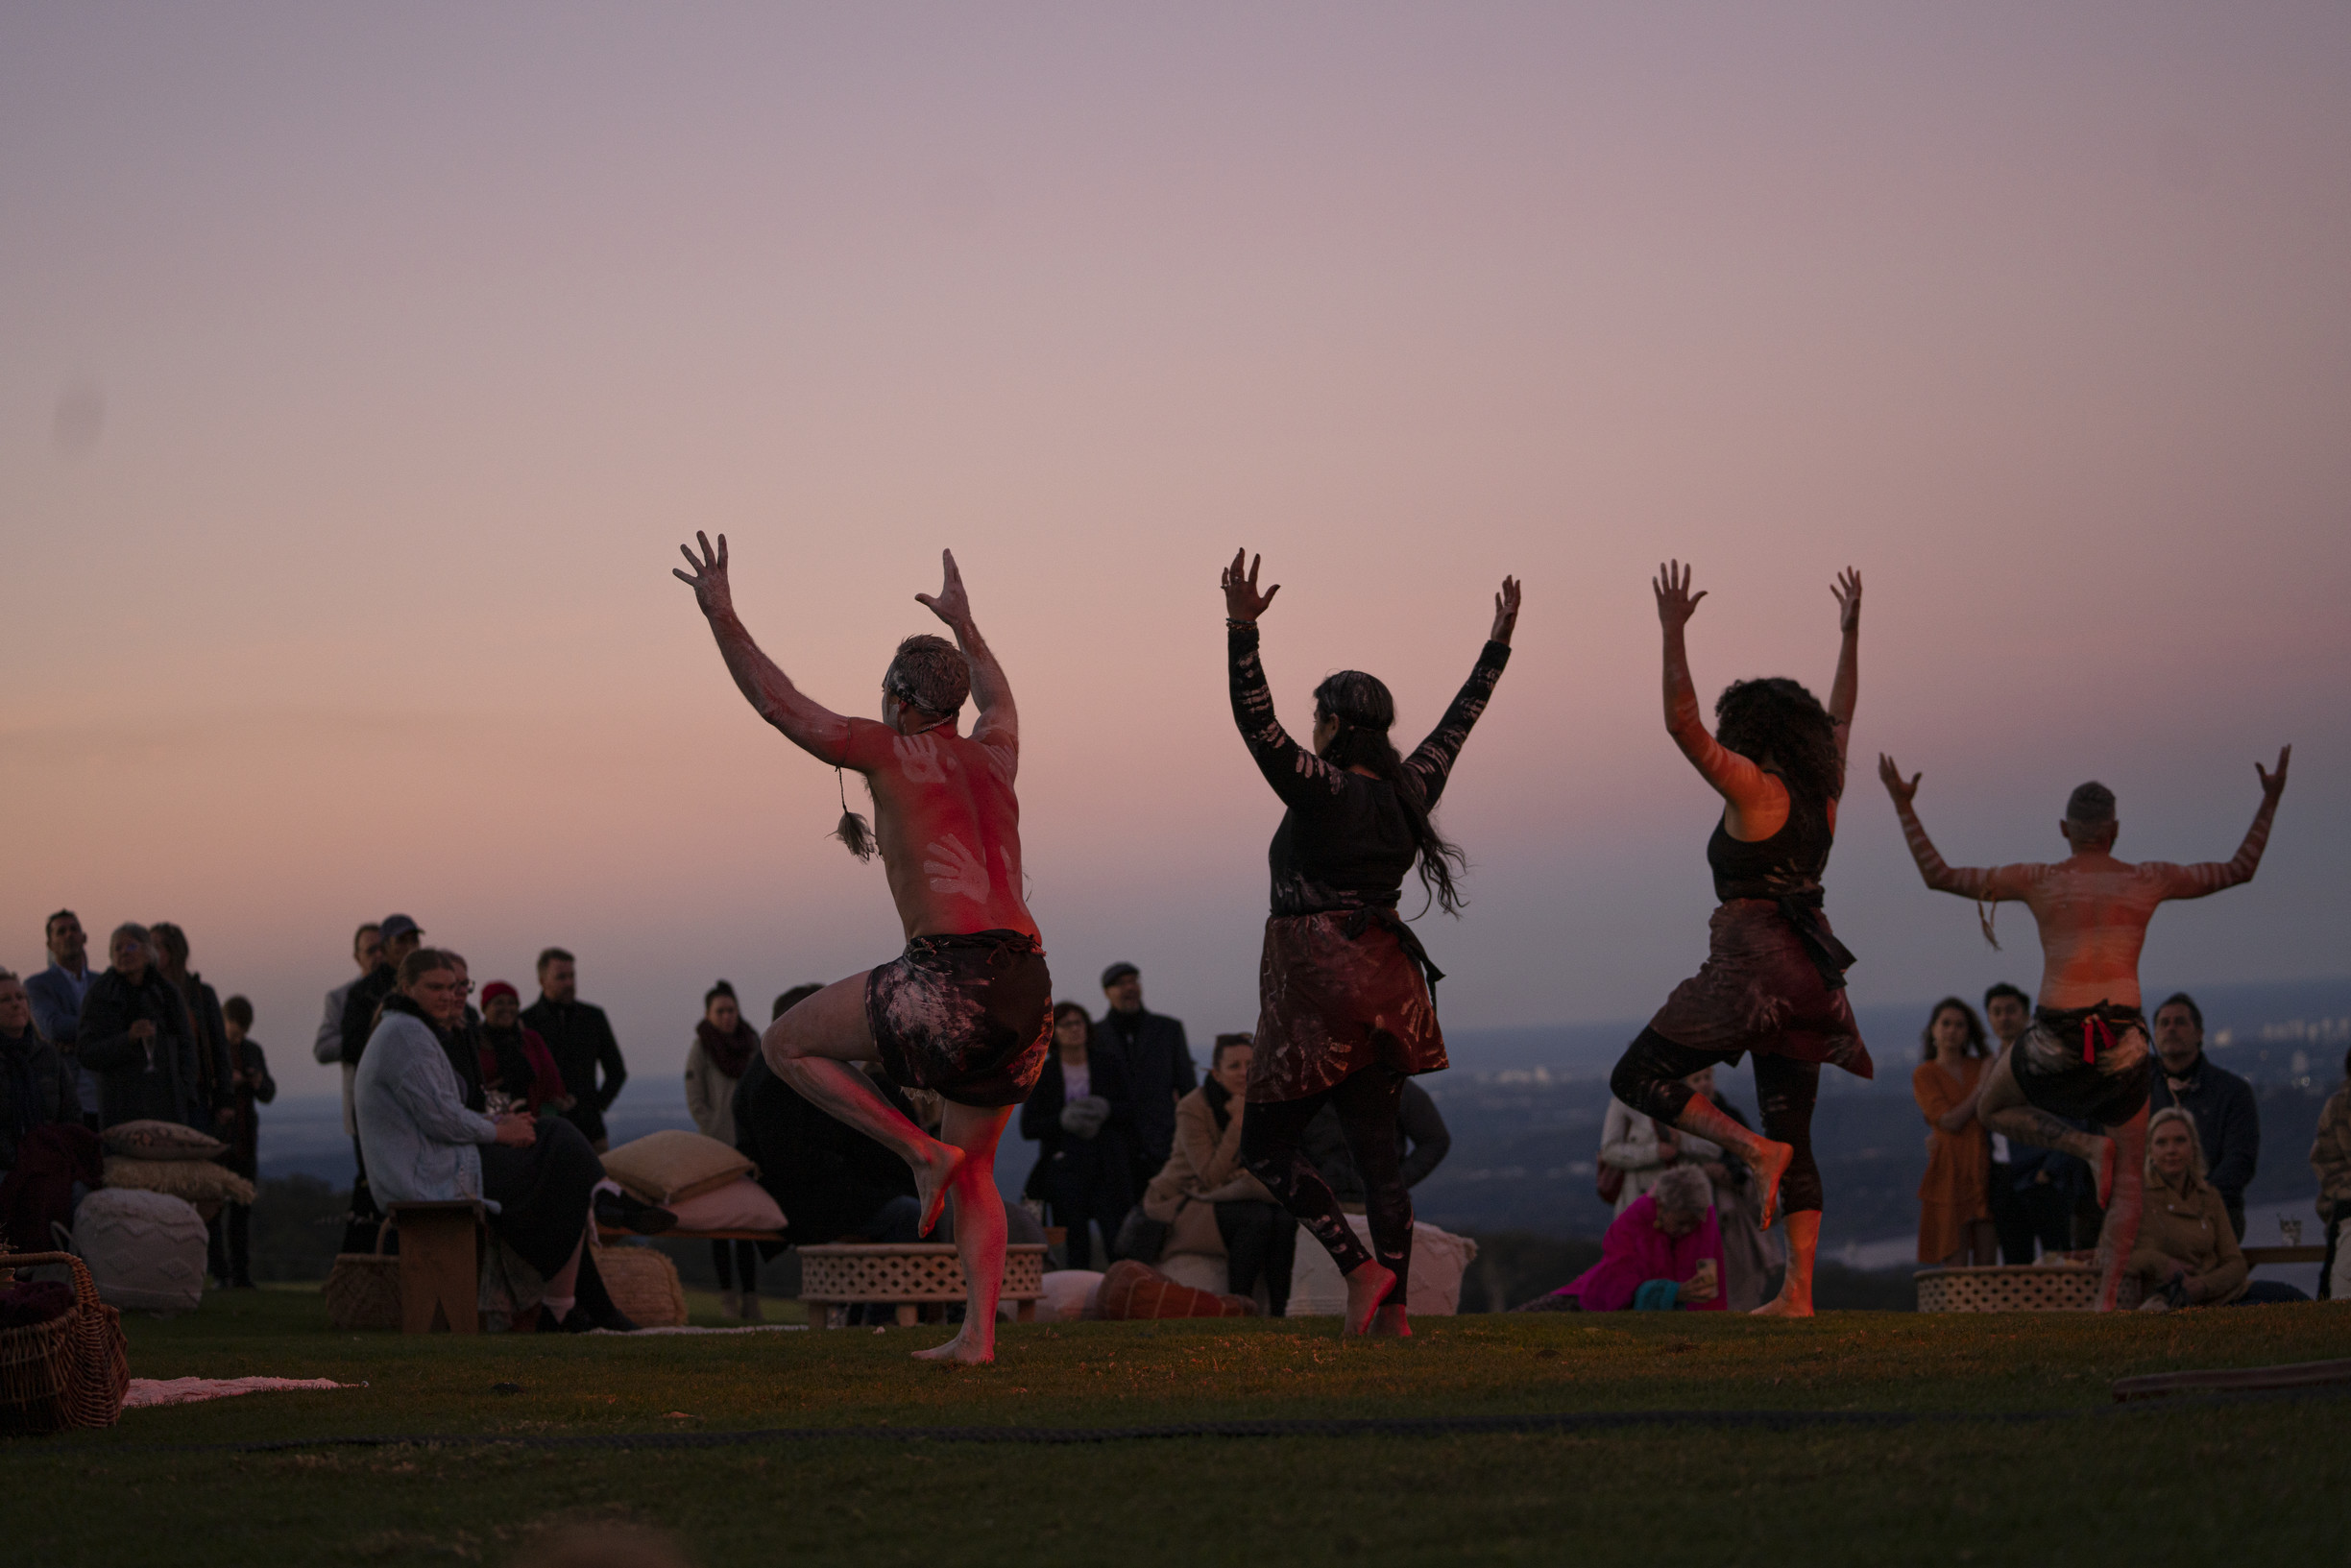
(909, 1276)
(440, 1266)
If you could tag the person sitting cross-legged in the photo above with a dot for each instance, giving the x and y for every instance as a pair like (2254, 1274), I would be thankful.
(1661, 1254)
(2187, 1253)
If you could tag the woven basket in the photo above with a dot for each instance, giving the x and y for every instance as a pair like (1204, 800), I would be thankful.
(644, 1284)
(363, 1289)
(71, 1371)
(2023, 1287)
(910, 1271)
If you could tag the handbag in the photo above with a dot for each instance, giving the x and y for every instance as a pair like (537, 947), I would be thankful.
(1610, 1183)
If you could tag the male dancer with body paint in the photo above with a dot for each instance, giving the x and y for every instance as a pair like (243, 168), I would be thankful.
(2086, 1053)
(966, 1011)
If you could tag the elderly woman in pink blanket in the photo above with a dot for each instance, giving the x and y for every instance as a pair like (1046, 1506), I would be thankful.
(1665, 1251)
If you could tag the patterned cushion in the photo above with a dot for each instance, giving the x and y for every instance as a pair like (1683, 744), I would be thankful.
(160, 1141)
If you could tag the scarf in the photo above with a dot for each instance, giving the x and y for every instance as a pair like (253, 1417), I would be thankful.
(729, 1054)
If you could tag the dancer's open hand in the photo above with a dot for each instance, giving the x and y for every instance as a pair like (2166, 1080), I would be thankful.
(951, 606)
(1241, 601)
(1848, 591)
(708, 576)
(1901, 791)
(1506, 611)
(2273, 785)
(1676, 603)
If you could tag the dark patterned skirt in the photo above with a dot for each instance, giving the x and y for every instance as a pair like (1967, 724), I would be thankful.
(1761, 990)
(969, 1018)
(1330, 1005)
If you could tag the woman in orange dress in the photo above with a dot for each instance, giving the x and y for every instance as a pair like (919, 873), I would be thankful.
(1955, 1197)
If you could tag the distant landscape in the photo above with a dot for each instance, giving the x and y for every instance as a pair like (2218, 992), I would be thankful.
(1525, 1107)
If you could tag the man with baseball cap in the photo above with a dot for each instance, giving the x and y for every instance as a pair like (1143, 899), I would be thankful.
(1158, 1059)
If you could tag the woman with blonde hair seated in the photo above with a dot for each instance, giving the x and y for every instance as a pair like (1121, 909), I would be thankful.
(2187, 1254)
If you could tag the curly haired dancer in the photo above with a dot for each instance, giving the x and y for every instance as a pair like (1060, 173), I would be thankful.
(2086, 1054)
(1345, 1010)
(966, 1010)
(1774, 980)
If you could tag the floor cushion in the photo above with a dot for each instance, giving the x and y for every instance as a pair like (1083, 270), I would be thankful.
(671, 1164)
(145, 1250)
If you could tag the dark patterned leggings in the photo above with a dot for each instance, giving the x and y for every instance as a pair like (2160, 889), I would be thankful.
(1272, 1133)
(1648, 1077)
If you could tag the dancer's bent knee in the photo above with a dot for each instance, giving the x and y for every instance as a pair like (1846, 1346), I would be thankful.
(1649, 1076)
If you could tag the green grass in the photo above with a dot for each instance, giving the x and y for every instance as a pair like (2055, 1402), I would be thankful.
(2181, 1483)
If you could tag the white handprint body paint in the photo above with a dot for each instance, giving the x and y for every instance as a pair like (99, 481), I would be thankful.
(920, 758)
(955, 869)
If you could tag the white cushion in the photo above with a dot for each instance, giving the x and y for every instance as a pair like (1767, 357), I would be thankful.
(1439, 1260)
(739, 1205)
(1068, 1295)
(145, 1250)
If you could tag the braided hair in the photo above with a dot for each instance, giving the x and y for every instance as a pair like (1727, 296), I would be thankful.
(1366, 711)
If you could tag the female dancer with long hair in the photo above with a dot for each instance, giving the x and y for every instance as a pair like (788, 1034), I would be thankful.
(1774, 980)
(1345, 1009)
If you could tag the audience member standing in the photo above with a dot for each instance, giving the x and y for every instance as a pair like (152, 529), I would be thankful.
(1637, 1146)
(1081, 1114)
(2330, 1159)
(2008, 1013)
(1158, 1063)
(37, 1087)
(326, 1049)
(1954, 1207)
(581, 1041)
(55, 996)
(2227, 1119)
(514, 1061)
(723, 1046)
(216, 1095)
(250, 1088)
(136, 1035)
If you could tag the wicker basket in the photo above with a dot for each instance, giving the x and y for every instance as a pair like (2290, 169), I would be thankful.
(363, 1290)
(2021, 1288)
(71, 1371)
(908, 1272)
(644, 1284)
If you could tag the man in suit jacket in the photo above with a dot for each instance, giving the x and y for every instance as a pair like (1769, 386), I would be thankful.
(1159, 1065)
(580, 1039)
(55, 993)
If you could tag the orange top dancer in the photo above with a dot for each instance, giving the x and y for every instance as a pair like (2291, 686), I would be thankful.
(2086, 1053)
(966, 1011)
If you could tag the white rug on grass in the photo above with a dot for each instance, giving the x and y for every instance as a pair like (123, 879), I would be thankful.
(747, 1328)
(146, 1394)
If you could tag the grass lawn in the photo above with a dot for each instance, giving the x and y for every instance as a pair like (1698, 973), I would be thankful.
(2020, 1456)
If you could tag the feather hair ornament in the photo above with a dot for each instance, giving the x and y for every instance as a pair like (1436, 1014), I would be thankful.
(854, 830)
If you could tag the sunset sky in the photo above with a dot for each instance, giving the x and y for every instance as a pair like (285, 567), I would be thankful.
(361, 370)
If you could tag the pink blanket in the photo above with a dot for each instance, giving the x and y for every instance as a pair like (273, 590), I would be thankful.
(146, 1394)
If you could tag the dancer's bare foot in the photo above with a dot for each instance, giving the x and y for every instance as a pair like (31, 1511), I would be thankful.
(1368, 1287)
(962, 1349)
(1388, 1322)
(930, 1180)
(1771, 1162)
(2105, 1172)
(1785, 1305)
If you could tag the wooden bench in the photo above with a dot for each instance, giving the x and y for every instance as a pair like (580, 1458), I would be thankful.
(440, 1266)
(909, 1276)
(2257, 1256)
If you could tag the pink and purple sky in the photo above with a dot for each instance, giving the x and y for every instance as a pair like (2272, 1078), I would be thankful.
(362, 368)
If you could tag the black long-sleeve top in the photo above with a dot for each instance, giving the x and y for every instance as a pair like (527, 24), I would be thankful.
(1345, 842)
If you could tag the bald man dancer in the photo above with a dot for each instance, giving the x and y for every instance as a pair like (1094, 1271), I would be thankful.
(2086, 1054)
(966, 1011)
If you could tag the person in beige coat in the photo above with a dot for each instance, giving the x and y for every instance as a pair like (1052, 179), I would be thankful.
(723, 1046)
(1204, 1181)
(2187, 1253)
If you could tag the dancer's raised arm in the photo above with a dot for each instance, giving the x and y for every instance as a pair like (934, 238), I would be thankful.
(1984, 884)
(1747, 787)
(2210, 877)
(1296, 773)
(998, 723)
(1433, 758)
(807, 724)
(1847, 690)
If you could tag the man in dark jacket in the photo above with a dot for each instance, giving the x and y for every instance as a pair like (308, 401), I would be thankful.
(580, 1039)
(2227, 1122)
(400, 937)
(215, 1069)
(55, 993)
(136, 1037)
(1158, 1064)
(1420, 1133)
(830, 1180)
